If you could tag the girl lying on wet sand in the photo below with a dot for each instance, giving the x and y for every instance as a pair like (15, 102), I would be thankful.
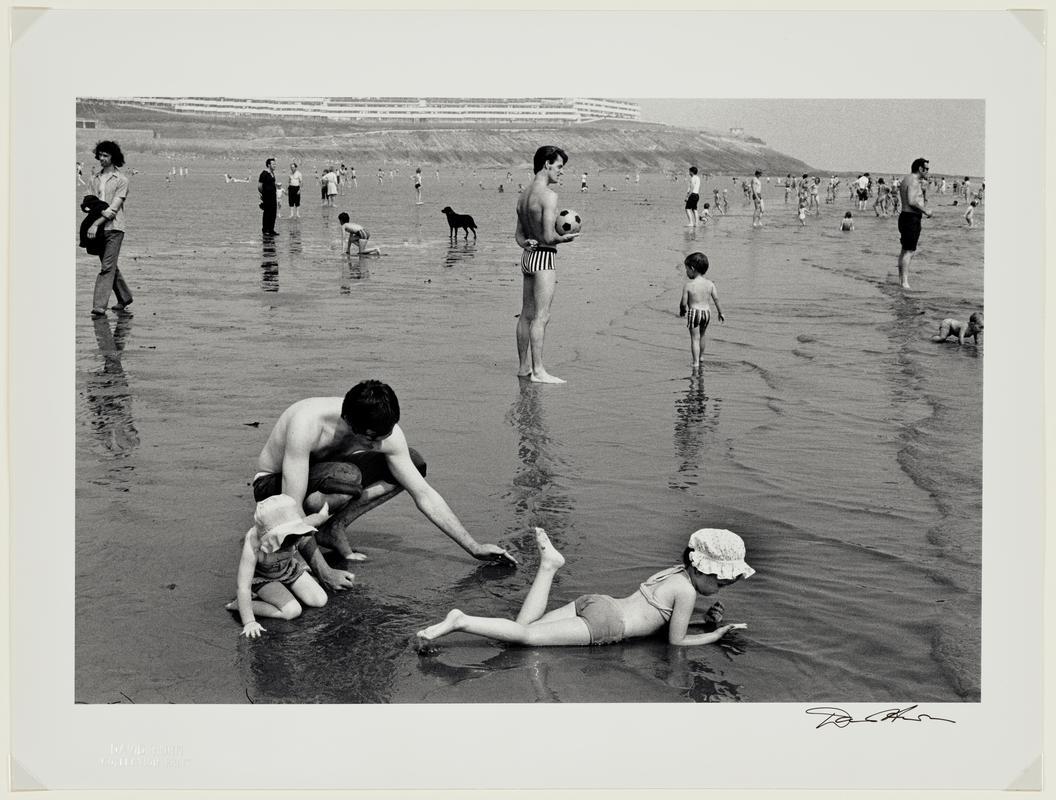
(714, 559)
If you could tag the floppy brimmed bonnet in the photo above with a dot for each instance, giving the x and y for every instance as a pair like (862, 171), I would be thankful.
(276, 518)
(719, 552)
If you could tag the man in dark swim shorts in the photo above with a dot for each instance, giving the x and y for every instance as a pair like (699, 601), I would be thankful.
(351, 454)
(911, 193)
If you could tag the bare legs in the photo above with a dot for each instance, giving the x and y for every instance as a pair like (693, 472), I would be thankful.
(696, 345)
(536, 297)
(533, 625)
(333, 533)
(903, 267)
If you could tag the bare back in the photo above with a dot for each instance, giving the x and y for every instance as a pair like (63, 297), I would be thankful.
(699, 292)
(309, 425)
(536, 207)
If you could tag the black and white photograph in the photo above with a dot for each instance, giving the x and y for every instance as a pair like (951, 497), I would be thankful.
(487, 411)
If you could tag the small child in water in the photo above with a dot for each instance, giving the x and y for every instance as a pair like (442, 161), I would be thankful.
(952, 327)
(802, 212)
(272, 568)
(705, 215)
(713, 560)
(694, 304)
(969, 215)
(847, 224)
(356, 234)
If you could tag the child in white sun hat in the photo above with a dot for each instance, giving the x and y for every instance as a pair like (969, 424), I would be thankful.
(713, 559)
(272, 574)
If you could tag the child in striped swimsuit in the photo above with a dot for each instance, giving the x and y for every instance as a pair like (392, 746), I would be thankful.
(714, 559)
(694, 304)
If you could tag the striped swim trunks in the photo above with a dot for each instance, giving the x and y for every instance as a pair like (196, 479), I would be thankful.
(537, 259)
(698, 317)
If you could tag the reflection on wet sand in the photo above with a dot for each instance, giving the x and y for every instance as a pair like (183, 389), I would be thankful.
(457, 254)
(269, 265)
(687, 669)
(345, 652)
(696, 418)
(533, 663)
(107, 393)
(537, 497)
(355, 268)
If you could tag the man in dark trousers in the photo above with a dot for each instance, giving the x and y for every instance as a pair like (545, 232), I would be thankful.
(268, 199)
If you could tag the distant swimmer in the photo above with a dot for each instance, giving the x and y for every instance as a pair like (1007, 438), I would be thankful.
(695, 304)
(909, 221)
(962, 330)
(692, 197)
(357, 235)
(80, 175)
(969, 215)
(350, 454)
(352, 177)
(583, 183)
(847, 223)
(538, 238)
(713, 560)
(418, 185)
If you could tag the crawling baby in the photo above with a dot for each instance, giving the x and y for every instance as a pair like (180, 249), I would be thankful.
(962, 330)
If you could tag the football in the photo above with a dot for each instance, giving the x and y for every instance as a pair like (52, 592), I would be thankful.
(568, 221)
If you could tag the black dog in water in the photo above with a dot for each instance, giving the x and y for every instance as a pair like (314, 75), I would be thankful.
(456, 221)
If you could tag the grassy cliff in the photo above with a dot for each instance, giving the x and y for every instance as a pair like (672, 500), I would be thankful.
(611, 144)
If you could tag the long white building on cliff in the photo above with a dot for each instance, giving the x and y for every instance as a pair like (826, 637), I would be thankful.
(415, 110)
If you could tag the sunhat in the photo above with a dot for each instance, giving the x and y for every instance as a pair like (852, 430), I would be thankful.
(276, 518)
(719, 552)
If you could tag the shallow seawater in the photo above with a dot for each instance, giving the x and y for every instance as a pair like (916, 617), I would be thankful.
(826, 428)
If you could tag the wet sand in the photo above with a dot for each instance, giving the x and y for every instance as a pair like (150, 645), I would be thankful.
(826, 428)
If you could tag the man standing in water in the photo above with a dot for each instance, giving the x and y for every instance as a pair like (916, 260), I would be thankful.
(538, 237)
(756, 191)
(110, 186)
(350, 453)
(268, 199)
(911, 194)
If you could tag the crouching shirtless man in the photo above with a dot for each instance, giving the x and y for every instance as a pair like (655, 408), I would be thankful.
(350, 453)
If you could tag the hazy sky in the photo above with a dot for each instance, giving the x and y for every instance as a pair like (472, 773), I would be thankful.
(846, 135)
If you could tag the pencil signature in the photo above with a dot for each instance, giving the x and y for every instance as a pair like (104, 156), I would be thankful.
(841, 719)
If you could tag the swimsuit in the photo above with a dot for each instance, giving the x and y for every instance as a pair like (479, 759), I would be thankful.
(909, 229)
(283, 566)
(691, 201)
(348, 476)
(648, 591)
(602, 615)
(537, 259)
(698, 317)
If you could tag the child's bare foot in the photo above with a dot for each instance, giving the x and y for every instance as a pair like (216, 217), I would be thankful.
(232, 606)
(354, 556)
(542, 376)
(548, 554)
(451, 623)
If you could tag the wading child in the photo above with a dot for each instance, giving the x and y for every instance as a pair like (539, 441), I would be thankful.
(356, 234)
(714, 559)
(847, 224)
(952, 327)
(705, 215)
(695, 306)
(273, 568)
(802, 212)
(969, 215)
